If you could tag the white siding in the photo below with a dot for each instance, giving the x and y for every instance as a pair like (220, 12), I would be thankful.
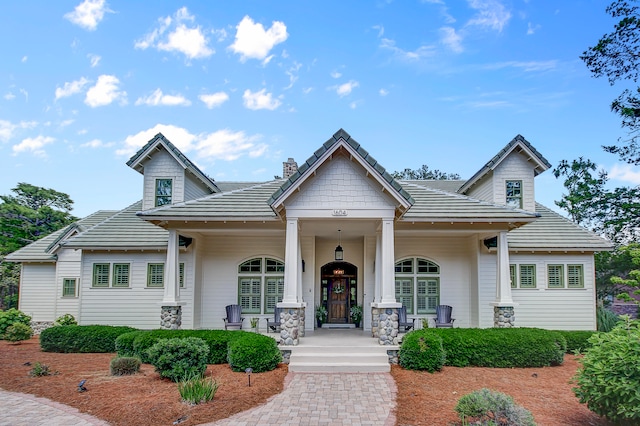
(68, 266)
(38, 291)
(515, 167)
(162, 166)
(193, 188)
(483, 190)
(136, 306)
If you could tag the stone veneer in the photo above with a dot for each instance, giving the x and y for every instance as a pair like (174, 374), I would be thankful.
(171, 317)
(384, 325)
(291, 326)
(504, 317)
(39, 326)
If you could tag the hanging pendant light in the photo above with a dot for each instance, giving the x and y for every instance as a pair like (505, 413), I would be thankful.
(339, 254)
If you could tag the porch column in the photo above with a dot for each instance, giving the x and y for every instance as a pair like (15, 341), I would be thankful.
(503, 307)
(387, 270)
(384, 311)
(290, 329)
(171, 309)
(377, 294)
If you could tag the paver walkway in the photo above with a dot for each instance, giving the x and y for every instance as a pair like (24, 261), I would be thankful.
(19, 409)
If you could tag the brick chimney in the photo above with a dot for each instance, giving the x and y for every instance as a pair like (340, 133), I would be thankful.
(289, 167)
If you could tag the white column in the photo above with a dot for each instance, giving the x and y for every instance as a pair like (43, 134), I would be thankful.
(291, 262)
(171, 270)
(503, 277)
(299, 266)
(387, 275)
(377, 294)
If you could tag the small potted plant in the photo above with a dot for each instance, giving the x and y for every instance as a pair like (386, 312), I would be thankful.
(254, 324)
(356, 314)
(321, 315)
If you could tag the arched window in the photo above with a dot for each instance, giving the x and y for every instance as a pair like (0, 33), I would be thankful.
(260, 285)
(418, 285)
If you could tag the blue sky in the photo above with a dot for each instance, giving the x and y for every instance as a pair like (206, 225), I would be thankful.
(241, 86)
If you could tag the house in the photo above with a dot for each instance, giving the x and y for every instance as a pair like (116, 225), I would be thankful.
(337, 230)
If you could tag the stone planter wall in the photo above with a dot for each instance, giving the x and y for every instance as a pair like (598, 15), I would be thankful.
(291, 326)
(504, 317)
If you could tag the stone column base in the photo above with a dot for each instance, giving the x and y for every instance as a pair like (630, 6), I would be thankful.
(504, 317)
(171, 317)
(291, 326)
(384, 325)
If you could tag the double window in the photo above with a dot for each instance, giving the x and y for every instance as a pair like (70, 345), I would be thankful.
(523, 276)
(260, 285)
(418, 285)
(514, 193)
(155, 275)
(111, 275)
(164, 190)
(574, 276)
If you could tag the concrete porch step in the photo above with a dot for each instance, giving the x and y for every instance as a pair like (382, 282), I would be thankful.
(339, 359)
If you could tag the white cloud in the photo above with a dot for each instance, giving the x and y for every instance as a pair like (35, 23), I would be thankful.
(88, 14)
(292, 73)
(491, 13)
(34, 145)
(405, 55)
(227, 145)
(24, 59)
(380, 30)
(335, 74)
(346, 88)
(451, 39)
(531, 29)
(71, 88)
(307, 90)
(66, 123)
(260, 100)
(383, 92)
(105, 91)
(253, 42)
(8, 129)
(625, 173)
(96, 143)
(173, 35)
(157, 98)
(178, 136)
(213, 100)
(9, 96)
(94, 59)
(530, 66)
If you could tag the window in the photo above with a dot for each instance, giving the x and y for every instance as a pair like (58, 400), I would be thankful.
(555, 276)
(163, 191)
(100, 275)
(512, 276)
(417, 285)
(155, 275)
(181, 275)
(527, 276)
(69, 287)
(260, 278)
(575, 277)
(514, 193)
(120, 275)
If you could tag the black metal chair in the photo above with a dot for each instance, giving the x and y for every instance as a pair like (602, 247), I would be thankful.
(443, 316)
(404, 324)
(275, 324)
(234, 317)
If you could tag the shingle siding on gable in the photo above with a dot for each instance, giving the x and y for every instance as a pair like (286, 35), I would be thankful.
(162, 166)
(483, 190)
(338, 185)
(194, 188)
(514, 167)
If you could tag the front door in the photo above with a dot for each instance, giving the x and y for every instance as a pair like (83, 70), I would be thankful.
(338, 300)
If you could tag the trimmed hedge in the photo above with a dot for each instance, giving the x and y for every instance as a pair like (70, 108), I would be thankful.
(422, 351)
(493, 347)
(137, 343)
(577, 340)
(179, 358)
(81, 338)
(255, 351)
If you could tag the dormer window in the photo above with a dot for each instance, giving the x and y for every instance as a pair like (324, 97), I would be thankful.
(164, 189)
(514, 193)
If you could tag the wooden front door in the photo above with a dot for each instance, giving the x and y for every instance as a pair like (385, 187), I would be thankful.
(338, 301)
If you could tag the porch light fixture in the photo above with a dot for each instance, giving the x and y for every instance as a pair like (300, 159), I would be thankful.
(339, 251)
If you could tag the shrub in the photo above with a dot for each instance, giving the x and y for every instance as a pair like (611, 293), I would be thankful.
(197, 390)
(486, 407)
(606, 319)
(178, 358)
(422, 351)
(66, 319)
(577, 340)
(81, 338)
(124, 365)
(501, 347)
(39, 370)
(254, 351)
(11, 317)
(124, 344)
(609, 378)
(18, 332)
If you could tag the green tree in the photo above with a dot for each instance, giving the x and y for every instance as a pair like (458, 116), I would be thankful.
(423, 173)
(615, 56)
(26, 216)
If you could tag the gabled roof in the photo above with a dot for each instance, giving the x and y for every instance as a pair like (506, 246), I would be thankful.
(43, 250)
(137, 160)
(519, 144)
(553, 232)
(341, 139)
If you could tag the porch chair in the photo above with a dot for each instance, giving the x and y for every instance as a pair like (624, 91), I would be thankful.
(443, 316)
(275, 324)
(404, 325)
(234, 317)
